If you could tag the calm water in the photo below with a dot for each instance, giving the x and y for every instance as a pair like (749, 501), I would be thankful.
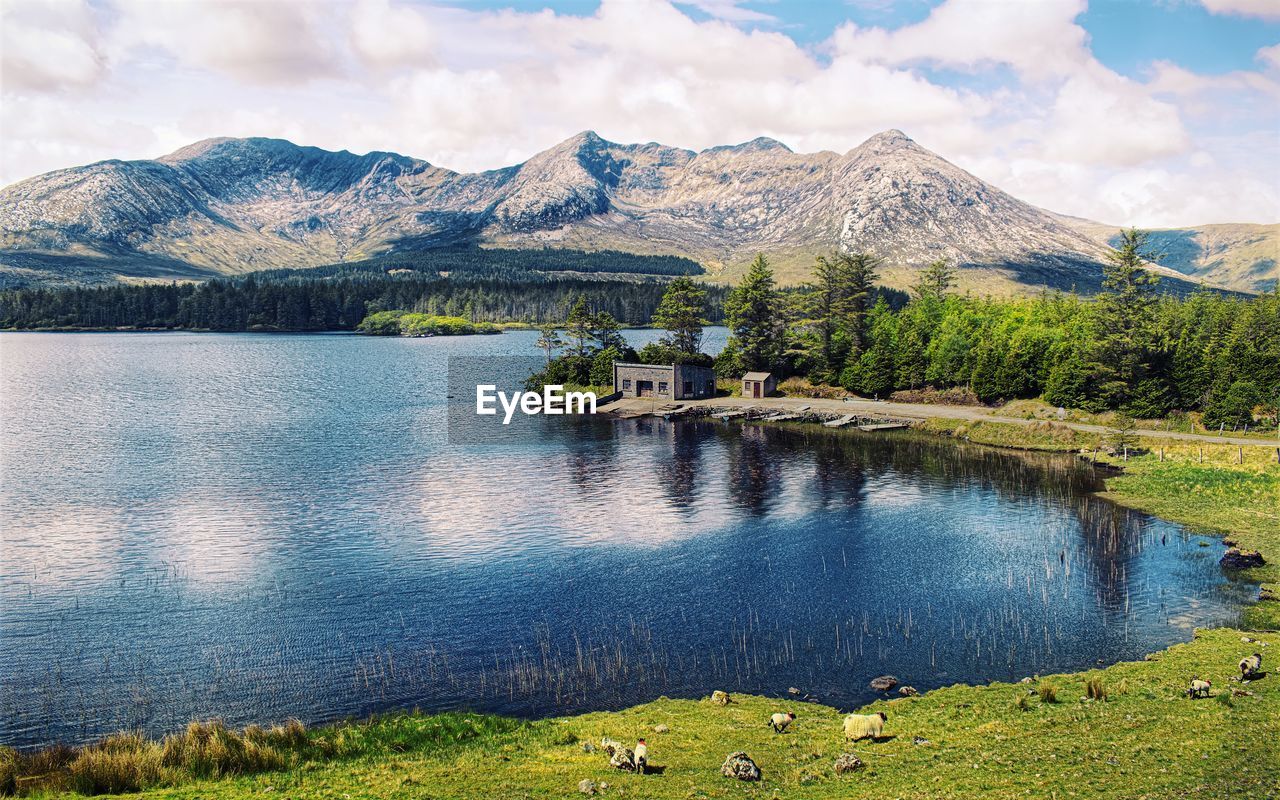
(257, 527)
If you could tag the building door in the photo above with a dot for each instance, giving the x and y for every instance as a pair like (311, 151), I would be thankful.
(644, 388)
(756, 387)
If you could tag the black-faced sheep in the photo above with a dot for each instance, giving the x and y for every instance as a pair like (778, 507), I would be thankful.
(865, 726)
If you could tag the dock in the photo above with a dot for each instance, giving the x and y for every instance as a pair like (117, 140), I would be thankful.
(839, 423)
(883, 426)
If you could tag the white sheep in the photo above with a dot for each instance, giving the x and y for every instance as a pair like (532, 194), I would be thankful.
(865, 726)
(779, 722)
(1198, 688)
(1250, 665)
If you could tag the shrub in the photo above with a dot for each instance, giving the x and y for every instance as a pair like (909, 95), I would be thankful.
(1023, 704)
(1048, 692)
(8, 770)
(955, 396)
(1094, 690)
(125, 762)
(803, 387)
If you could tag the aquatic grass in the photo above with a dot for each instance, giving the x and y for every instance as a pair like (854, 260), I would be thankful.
(8, 770)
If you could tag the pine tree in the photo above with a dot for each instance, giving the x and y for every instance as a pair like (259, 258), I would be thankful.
(680, 314)
(578, 327)
(549, 340)
(753, 312)
(935, 280)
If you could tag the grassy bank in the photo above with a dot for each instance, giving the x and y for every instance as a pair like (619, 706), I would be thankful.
(1146, 739)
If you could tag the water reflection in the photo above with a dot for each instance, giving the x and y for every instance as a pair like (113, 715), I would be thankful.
(266, 527)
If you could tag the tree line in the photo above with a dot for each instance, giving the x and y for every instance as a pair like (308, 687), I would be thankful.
(1131, 349)
(296, 301)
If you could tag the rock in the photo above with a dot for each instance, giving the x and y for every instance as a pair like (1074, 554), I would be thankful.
(721, 698)
(1248, 639)
(1235, 558)
(1026, 680)
(793, 691)
(919, 740)
(1269, 594)
(907, 691)
(588, 747)
(660, 729)
(884, 683)
(848, 762)
(623, 759)
(587, 786)
(739, 765)
(620, 757)
(1240, 693)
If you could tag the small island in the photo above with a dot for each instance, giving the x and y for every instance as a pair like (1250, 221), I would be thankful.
(415, 325)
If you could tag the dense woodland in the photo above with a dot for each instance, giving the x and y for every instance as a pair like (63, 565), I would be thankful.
(1130, 349)
(334, 300)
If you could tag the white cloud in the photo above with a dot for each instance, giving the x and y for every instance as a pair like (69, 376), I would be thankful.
(1268, 9)
(48, 46)
(1039, 115)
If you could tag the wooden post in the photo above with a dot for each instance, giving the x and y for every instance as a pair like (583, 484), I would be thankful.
(1201, 455)
(1162, 454)
(1278, 455)
(1126, 452)
(1241, 461)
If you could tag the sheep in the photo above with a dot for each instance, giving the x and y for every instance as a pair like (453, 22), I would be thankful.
(779, 722)
(865, 726)
(642, 756)
(1250, 665)
(1198, 688)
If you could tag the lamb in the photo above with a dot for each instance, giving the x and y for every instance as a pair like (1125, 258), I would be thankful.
(1198, 688)
(642, 756)
(781, 721)
(865, 726)
(1250, 666)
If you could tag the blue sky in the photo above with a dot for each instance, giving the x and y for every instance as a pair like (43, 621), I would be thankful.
(1161, 113)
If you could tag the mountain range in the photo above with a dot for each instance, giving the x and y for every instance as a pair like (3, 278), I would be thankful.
(228, 206)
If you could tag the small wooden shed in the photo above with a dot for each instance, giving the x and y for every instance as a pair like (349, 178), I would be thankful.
(759, 384)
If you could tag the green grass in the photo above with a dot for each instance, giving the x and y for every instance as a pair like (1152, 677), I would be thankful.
(1044, 435)
(1146, 739)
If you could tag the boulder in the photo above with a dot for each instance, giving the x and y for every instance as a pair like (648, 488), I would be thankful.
(1270, 594)
(720, 698)
(587, 786)
(919, 740)
(1235, 558)
(739, 765)
(793, 691)
(660, 729)
(884, 683)
(619, 757)
(848, 762)
(907, 691)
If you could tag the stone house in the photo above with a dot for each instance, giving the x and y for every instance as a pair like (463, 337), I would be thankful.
(664, 382)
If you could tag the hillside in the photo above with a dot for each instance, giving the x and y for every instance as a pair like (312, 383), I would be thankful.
(1243, 257)
(228, 206)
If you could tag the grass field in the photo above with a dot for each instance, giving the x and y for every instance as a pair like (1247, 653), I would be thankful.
(1146, 739)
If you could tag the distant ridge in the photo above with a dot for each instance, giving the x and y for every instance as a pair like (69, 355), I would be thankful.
(227, 206)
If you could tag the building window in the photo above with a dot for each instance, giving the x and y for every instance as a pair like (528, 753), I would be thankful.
(711, 387)
(662, 387)
(626, 384)
(688, 387)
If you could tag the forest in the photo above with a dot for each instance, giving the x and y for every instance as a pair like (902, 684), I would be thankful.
(335, 300)
(1130, 349)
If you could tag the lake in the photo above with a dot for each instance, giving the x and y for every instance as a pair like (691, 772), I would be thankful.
(258, 527)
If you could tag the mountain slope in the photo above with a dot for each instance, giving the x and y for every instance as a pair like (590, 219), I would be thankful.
(1240, 256)
(234, 205)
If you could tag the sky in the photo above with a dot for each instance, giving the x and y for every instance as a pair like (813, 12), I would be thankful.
(1158, 114)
